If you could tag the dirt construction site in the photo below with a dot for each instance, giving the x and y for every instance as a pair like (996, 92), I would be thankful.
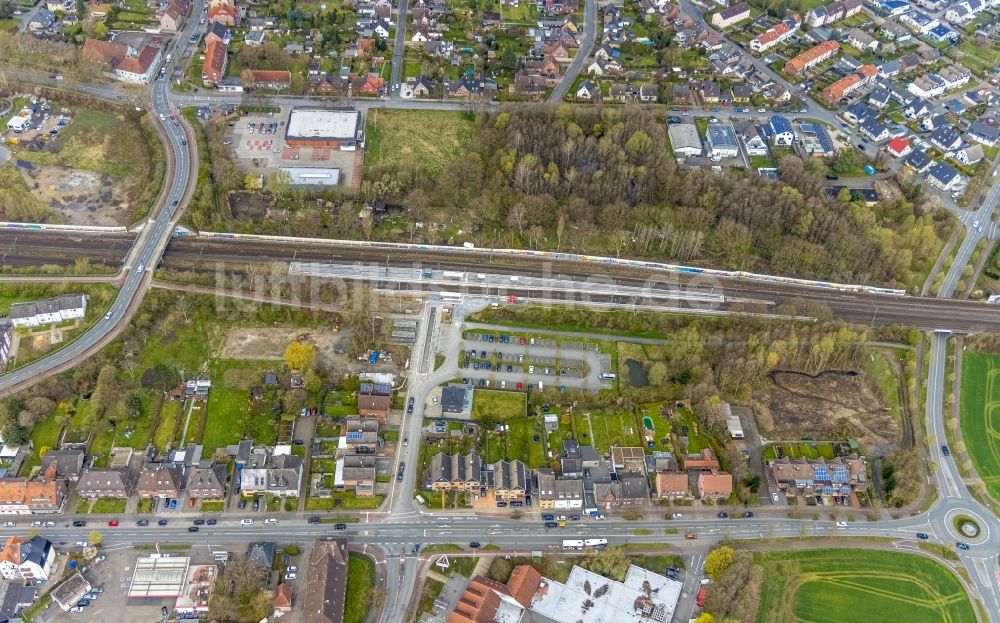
(83, 197)
(830, 405)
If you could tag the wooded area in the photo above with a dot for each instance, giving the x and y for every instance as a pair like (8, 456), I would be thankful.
(601, 180)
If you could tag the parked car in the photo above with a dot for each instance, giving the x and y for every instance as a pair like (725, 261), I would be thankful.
(748, 514)
(551, 524)
(340, 526)
(113, 523)
(212, 522)
(723, 515)
(474, 544)
(314, 519)
(270, 521)
(142, 523)
(841, 524)
(161, 522)
(246, 521)
(199, 522)
(79, 523)
(548, 517)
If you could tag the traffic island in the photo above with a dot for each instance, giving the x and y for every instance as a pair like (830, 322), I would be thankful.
(967, 526)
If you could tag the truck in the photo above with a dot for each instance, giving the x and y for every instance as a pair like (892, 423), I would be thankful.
(702, 596)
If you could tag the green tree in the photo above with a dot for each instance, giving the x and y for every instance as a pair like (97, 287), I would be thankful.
(133, 405)
(16, 435)
(313, 382)
(718, 561)
(844, 162)
(612, 562)
(100, 30)
(658, 374)
(96, 538)
(104, 394)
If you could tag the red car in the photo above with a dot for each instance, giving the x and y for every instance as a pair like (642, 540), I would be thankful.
(520, 386)
(113, 523)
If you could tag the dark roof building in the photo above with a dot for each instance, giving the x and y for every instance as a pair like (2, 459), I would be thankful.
(326, 590)
(453, 399)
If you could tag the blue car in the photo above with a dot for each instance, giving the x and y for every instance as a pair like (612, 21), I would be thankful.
(961, 545)
(922, 535)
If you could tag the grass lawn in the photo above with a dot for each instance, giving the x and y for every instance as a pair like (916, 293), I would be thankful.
(610, 429)
(799, 450)
(847, 585)
(521, 444)
(164, 432)
(404, 137)
(976, 55)
(213, 506)
(360, 579)
(502, 405)
(463, 565)
(227, 414)
(979, 413)
(879, 370)
(430, 591)
(44, 436)
(108, 506)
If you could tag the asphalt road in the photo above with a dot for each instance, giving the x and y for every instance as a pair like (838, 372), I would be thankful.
(586, 45)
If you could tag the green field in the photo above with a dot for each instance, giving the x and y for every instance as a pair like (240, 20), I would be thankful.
(360, 578)
(980, 416)
(404, 137)
(499, 404)
(847, 586)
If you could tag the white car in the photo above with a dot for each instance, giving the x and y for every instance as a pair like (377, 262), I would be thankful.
(36, 524)
(292, 569)
(841, 524)
(677, 516)
(9, 524)
(270, 521)
(142, 267)
(246, 522)
(290, 576)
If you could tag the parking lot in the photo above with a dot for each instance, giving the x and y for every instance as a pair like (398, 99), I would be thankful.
(258, 144)
(113, 575)
(511, 362)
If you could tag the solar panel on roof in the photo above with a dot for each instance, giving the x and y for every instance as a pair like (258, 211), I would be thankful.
(355, 436)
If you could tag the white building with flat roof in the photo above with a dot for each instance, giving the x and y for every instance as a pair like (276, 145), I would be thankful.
(587, 597)
(158, 576)
(722, 141)
(315, 127)
(313, 176)
(684, 139)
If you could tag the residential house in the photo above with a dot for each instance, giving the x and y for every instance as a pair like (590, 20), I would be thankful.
(754, 141)
(862, 40)
(776, 34)
(649, 93)
(935, 122)
(357, 472)
(811, 57)
(369, 84)
(42, 20)
(326, 582)
(68, 462)
(985, 131)
(170, 19)
(779, 129)
(271, 79)
(558, 51)
(942, 34)
(511, 480)
(710, 92)
(225, 14)
(27, 559)
(919, 161)
(218, 32)
(892, 31)
(455, 472)
(604, 68)
(283, 598)
(838, 477)
(360, 436)
(898, 147)
(485, 600)
(879, 97)
(214, 67)
(261, 553)
(571, 459)
(848, 84)
(916, 109)
(374, 406)
(529, 85)
(715, 485)
(918, 21)
(970, 154)
(629, 491)
(626, 459)
(874, 130)
(103, 483)
(946, 139)
(558, 493)
(588, 91)
(672, 485)
(281, 475)
(731, 15)
(741, 93)
(207, 482)
(160, 481)
(832, 12)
